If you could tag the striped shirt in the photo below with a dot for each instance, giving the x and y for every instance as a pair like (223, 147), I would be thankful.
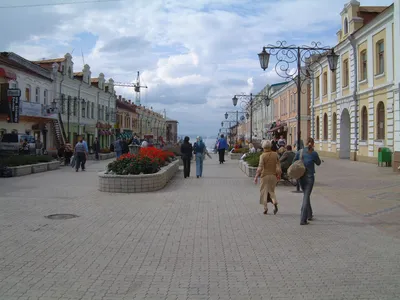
(79, 148)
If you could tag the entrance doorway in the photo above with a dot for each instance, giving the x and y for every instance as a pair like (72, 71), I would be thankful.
(345, 135)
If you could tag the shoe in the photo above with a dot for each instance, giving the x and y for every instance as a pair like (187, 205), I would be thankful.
(306, 223)
(275, 208)
(265, 211)
(76, 170)
(311, 218)
(198, 176)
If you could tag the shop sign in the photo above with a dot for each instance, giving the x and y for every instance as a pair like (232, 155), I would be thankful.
(14, 101)
(31, 109)
(103, 125)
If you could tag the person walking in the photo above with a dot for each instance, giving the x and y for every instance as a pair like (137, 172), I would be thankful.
(80, 154)
(310, 158)
(96, 148)
(187, 152)
(287, 158)
(200, 151)
(222, 145)
(118, 148)
(268, 171)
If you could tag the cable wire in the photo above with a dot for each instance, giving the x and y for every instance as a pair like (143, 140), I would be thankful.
(57, 4)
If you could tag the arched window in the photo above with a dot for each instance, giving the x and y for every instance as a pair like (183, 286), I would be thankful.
(346, 26)
(334, 126)
(37, 95)
(69, 72)
(317, 127)
(28, 93)
(325, 127)
(364, 124)
(380, 112)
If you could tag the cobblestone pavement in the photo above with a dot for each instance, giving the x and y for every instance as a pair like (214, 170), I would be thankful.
(364, 189)
(197, 239)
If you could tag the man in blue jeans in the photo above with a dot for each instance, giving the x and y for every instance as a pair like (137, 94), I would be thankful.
(80, 155)
(118, 148)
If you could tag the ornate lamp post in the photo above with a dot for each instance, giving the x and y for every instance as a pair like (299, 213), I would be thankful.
(287, 55)
(247, 101)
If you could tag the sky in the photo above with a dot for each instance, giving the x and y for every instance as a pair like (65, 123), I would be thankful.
(194, 56)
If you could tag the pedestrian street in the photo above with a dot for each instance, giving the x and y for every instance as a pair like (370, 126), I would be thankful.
(198, 238)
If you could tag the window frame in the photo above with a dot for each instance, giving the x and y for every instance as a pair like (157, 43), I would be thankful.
(346, 77)
(363, 65)
(380, 57)
(317, 127)
(380, 132)
(334, 127)
(325, 127)
(364, 123)
(28, 90)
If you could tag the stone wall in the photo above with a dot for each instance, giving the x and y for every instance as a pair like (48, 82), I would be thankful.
(138, 183)
(235, 156)
(36, 168)
(249, 171)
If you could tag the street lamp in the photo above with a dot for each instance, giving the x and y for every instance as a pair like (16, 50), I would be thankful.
(226, 116)
(286, 55)
(247, 101)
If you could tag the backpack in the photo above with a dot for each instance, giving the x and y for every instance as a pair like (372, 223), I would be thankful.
(297, 169)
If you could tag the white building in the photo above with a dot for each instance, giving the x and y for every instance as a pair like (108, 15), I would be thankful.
(87, 105)
(36, 86)
(353, 108)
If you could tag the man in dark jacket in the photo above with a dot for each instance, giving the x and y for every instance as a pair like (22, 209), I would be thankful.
(287, 159)
(187, 152)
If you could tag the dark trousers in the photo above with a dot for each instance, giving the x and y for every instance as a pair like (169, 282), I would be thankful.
(97, 155)
(221, 153)
(186, 166)
(80, 161)
(307, 184)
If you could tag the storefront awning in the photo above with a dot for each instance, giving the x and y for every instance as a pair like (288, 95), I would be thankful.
(276, 128)
(7, 74)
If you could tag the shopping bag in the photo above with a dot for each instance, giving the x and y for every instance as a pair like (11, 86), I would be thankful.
(73, 161)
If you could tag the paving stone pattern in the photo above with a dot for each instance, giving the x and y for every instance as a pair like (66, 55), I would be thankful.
(196, 239)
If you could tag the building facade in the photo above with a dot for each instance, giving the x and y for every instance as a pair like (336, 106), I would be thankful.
(171, 131)
(87, 105)
(151, 124)
(353, 108)
(127, 125)
(396, 42)
(36, 88)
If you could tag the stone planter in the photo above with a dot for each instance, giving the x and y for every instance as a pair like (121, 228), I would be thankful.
(235, 156)
(138, 183)
(21, 170)
(249, 171)
(53, 165)
(102, 156)
(38, 168)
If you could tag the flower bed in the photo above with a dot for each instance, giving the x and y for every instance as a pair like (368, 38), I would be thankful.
(149, 170)
(250, 163)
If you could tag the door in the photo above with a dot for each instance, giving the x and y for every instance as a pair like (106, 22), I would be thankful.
(345, 135)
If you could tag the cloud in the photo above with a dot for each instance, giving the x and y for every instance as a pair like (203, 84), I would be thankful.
(193, 55)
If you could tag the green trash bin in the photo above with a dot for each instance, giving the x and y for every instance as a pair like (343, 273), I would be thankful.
(384, 156)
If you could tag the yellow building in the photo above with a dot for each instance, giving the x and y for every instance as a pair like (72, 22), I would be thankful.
(352, 108)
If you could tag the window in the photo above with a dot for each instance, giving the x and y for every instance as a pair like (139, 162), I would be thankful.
(364, 124)
(69, 105)
(87, 109)
(75, 106)
(334, 126)
(83, 108)
(28, 93)
(346, 26)
(363, 65)
(62, 103)
(325, 127)
(317, 127)
(37, 95)
(92, 110)
(45, 100)
(325, 84)
(69, 72)
(345, 73)
(333, 83)
(380, 60)
(380, 110)
(317, 87)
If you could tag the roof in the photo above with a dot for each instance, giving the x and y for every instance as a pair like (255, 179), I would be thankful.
(48, 61)
(372, 9)
(17, 62)
(94, 80)
(78, 74)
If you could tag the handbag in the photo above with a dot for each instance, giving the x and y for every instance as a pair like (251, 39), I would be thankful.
(297, 169)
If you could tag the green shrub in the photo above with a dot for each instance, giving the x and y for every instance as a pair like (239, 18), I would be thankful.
(253, 159)
(241, 150)
(23, 160)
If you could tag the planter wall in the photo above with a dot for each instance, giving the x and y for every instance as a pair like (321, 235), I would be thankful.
(235, 156)
(38, 168)
(21, 170)
(53, 165)
(138, 183)
(249, 171)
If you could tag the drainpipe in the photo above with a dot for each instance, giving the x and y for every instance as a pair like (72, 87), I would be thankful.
(313, 109)
(79, 107)
(62, 104)
(354, 46)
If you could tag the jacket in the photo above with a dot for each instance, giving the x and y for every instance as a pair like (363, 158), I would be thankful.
(186, 150)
